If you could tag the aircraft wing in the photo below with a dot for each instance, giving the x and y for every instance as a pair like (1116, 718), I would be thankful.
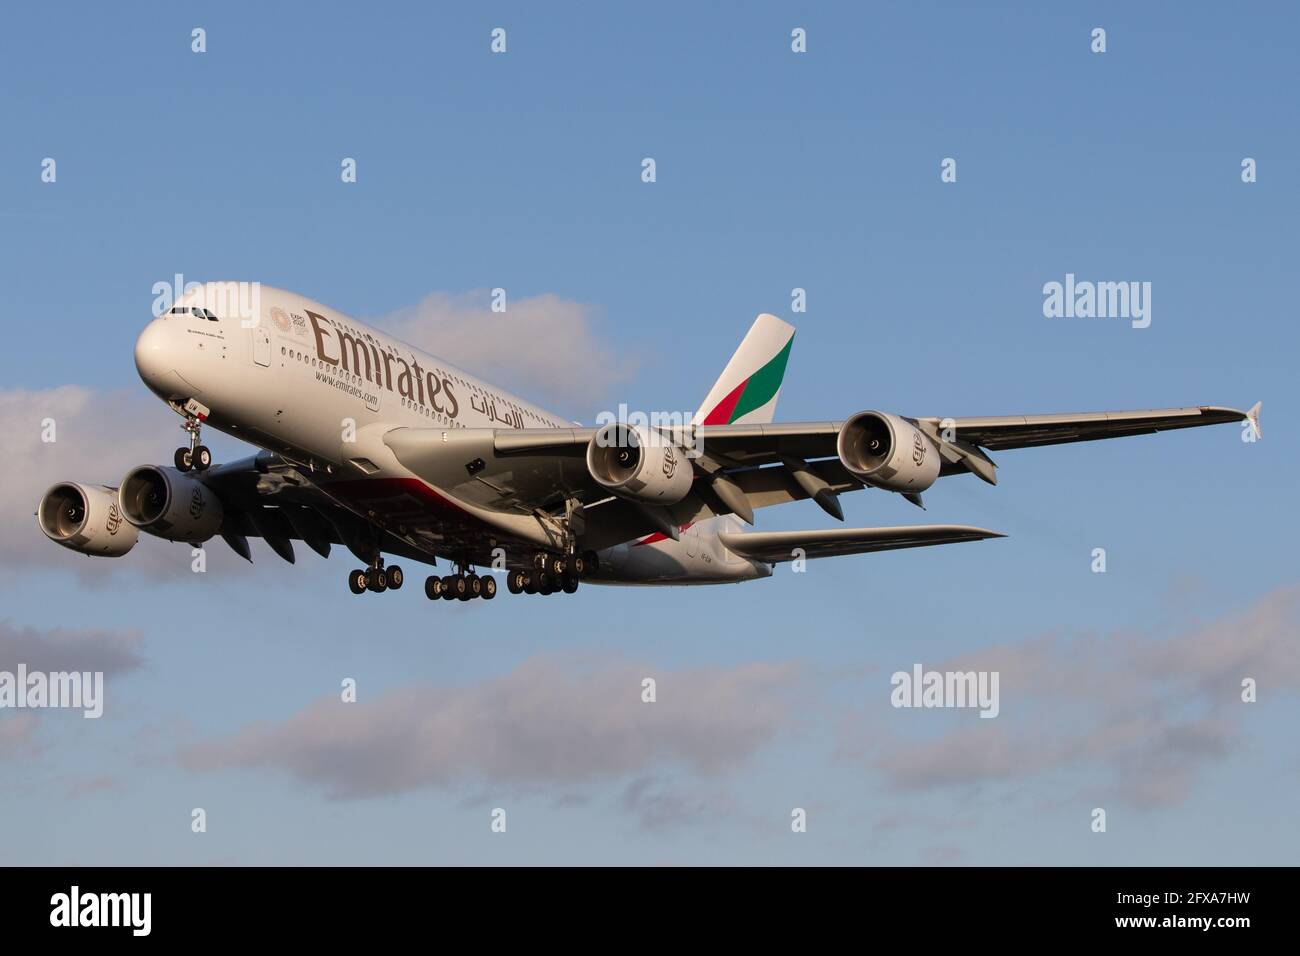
(527, 470)
(775, 546)
(1028, 431)
(769, 443)
(264, 496)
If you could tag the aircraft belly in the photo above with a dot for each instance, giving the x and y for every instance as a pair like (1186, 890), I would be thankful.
(430, 519)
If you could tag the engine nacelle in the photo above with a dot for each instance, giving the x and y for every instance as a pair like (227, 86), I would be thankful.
(86, 518)
(639, 464)
(886, 451)
(170, 504)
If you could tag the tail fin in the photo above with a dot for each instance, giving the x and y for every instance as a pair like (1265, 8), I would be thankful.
(746, 392)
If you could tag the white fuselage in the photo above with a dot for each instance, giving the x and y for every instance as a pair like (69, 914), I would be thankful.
(298, 378)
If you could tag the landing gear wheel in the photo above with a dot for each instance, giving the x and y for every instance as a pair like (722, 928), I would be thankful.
(395, 577)
(433, 587)
(555, 567)
(455, 587)
(516, 581)
(575, 565)
(183, 459)
(570, 584)
(475, 585)
(201, 458)
(357, 581)
(530, 582)
(377, 580)
(489, 588)
(545, 583)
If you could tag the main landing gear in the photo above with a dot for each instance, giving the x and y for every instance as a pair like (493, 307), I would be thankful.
(462, 586)
(196, 456)
(551, 573)
(375, 578)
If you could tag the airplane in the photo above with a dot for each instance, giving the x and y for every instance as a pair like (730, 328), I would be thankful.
(369, 443)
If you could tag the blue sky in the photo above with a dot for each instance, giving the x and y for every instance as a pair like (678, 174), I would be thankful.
(775, 170)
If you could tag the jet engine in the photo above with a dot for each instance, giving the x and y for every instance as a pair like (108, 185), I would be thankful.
(639, 464)
(888, 452)
(170, 504)
(86, 518)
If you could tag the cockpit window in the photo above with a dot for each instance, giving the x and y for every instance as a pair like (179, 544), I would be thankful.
(195, 311)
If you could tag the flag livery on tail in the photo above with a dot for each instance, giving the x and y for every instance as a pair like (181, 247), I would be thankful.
(747, 390)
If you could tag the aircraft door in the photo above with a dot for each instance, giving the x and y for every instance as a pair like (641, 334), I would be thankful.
(262, 346)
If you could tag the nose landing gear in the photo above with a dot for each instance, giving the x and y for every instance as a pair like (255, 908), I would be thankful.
(196, 456)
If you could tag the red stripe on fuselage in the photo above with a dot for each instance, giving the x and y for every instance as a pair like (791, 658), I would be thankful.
(659, 536)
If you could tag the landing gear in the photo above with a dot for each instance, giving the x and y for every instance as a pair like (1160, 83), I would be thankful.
(574, 566)
(376, 578)
(550, 574)
(196, 456)
(462, 586)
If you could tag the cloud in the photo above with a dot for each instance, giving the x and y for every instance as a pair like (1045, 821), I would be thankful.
(658, 804)
(61, 649)
(942, 855)
(1149, 712)
(16, 733)
(90, 785)
(543, 723)
(544, 348)
(57, 649)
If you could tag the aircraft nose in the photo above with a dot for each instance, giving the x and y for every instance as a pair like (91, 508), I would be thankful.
(156, 357)
(151, 358)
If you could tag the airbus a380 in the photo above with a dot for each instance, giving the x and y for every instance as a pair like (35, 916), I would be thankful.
(371, 444)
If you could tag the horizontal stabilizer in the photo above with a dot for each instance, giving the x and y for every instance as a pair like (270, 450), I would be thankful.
(775, 546)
